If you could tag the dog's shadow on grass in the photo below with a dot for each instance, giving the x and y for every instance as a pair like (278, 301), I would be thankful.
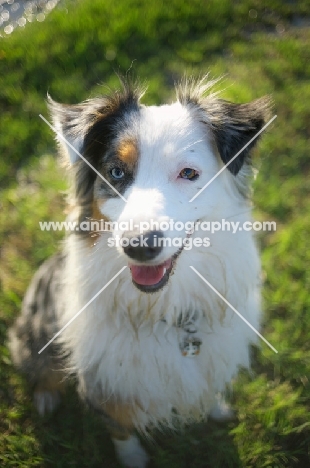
(76, 437)
(73, 436)
(204, 445)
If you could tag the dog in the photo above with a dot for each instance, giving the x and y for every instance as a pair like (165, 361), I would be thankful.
(149, 341)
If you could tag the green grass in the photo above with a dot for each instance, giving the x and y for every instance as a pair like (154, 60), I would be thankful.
(71, 55)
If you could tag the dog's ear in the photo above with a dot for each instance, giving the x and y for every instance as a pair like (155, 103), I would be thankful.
(234, 125)
(69, 131)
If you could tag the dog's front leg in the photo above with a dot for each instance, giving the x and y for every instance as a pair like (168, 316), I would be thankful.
(130, 452)
(118, 418)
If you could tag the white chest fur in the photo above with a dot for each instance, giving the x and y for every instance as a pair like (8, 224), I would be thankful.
(132, 347)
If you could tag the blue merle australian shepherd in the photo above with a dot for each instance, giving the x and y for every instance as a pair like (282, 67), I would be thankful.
(156, 345)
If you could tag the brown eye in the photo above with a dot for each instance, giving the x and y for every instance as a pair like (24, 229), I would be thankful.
(189, 174)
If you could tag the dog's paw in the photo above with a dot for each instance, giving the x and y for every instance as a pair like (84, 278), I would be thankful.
(131, 453)
(46, 401)
(221, 411)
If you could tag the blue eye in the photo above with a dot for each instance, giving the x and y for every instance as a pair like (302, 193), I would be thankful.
(189, 174)
(117, 173)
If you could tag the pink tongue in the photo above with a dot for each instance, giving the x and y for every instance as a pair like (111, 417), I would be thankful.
(149, 275)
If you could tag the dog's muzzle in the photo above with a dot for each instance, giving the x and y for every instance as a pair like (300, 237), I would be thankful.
(144, 248)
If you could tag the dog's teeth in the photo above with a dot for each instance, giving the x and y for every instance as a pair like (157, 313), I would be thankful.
(165, 269)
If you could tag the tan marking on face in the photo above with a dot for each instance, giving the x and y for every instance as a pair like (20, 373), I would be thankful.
(96, 212)
(97, 221)
(128, 152)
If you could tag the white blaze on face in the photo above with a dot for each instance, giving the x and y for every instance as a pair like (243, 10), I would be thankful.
(142, 204)
(170, 138)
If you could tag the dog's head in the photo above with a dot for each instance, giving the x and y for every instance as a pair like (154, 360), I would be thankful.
(141, 167)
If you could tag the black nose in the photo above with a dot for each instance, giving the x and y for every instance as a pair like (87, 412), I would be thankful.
(142, 247)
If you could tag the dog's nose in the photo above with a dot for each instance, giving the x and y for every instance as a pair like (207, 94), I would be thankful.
(142, 247)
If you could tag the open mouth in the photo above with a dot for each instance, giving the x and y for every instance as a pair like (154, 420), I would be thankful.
(151, 278)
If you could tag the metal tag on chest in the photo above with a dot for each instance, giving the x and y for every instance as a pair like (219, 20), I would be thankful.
(190, 343)
(190, 346)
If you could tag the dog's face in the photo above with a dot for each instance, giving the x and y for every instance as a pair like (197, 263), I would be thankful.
(147, 163)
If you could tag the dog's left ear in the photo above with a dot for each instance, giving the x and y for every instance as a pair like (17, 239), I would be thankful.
(234, 125)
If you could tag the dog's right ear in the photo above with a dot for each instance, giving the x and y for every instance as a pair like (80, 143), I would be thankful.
(69, 130)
